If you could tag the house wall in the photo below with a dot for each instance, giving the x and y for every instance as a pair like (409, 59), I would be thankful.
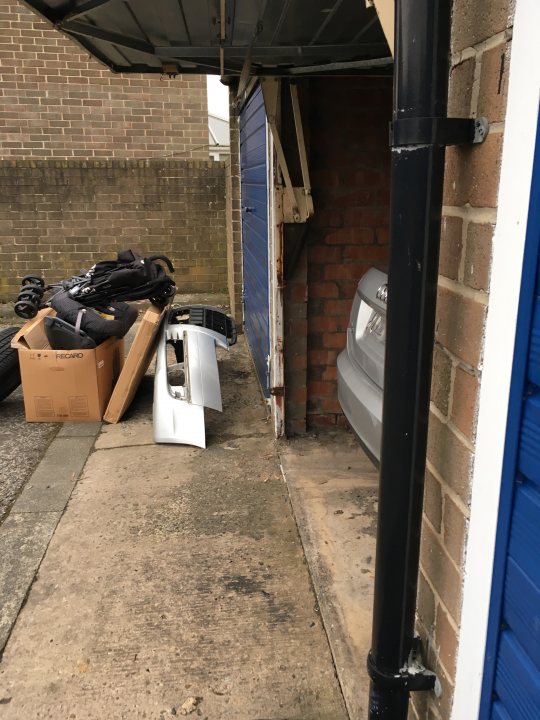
(349, 159)
(58, 102)
(58, 217)
(481, 44)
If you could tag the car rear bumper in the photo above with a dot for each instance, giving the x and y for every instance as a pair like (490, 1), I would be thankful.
(362, 403)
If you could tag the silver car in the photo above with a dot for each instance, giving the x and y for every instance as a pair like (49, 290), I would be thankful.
(360, 366)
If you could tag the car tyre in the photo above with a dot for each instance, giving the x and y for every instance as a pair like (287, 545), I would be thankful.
(10, 374)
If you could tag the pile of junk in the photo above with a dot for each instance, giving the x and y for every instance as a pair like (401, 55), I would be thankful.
(69, 355)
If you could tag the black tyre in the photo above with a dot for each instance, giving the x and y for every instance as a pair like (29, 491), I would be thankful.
(25, 309)
(33, 280)
(33, 288)
(10, 374)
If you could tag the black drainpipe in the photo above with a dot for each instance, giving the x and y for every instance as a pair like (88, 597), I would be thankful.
(420, 131)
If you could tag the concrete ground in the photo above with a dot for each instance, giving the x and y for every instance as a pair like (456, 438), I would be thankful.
(175, 581)
(333, 487)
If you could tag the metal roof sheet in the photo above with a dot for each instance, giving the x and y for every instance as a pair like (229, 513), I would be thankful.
(279, 37)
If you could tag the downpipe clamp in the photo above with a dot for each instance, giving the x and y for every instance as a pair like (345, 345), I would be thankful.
(441, 131)
(412, 677)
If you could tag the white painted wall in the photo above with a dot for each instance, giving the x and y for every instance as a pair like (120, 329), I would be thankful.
(508, 246)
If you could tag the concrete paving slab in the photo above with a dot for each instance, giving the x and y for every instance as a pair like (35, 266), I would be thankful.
(176, 573)
(333, 487)
(23, 541)
(82, 429)
(53, 480)
(25, 534)
(139, 431)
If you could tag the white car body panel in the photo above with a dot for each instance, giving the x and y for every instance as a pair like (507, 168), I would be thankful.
(179, 409)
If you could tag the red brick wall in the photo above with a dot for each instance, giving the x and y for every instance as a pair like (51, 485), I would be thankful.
(481, 47)
(350, 172)
(56, 101)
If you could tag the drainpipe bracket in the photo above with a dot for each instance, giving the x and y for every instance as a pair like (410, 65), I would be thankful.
(412, 677)
(438, 131)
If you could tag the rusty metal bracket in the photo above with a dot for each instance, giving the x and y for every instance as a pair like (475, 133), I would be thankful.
(297, 201)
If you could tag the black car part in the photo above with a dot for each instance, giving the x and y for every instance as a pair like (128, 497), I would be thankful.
(90, 321)
(10, 374)
(129, 277)
(419, 134)
(64, 336)
(205, 316)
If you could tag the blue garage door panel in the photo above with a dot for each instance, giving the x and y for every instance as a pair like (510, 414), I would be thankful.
(534, 358)
(499, 713)
(517, 682)
(254, 192)
(524, 547)
(529, 450)
(522, 609)
(512, 676)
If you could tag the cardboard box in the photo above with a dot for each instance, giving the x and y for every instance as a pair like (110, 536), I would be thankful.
(65, 385)
(137, 362)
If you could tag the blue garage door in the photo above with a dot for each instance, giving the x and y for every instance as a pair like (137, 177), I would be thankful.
(254, 189)
(512, 672)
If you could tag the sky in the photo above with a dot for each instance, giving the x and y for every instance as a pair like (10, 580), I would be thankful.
(218, 97)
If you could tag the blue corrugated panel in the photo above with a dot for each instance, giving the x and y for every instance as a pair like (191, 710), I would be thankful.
(511, 687)
(534, 348)
(499, 713)
(522, 609)
(254, 202)
(529, 446)
(524, 546)
(517, 681)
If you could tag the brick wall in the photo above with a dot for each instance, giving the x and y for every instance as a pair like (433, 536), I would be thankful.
(350, 173)
(481, 36)
(56, 101)
(58, 217)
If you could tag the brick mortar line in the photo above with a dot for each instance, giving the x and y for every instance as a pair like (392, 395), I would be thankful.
(439, 666)
(464, 233)
(474, 51)
(436, 594)
(480, 216)
(442, 544)
(107, 164)
(479, 296)
(497, 128)
(451, 388)
(464, 509)
(456, 431)
(436, 650)
(475, 92)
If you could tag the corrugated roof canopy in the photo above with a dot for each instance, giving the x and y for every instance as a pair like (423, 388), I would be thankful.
(278, 37)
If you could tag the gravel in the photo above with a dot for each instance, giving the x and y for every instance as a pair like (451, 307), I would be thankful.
(22, 445)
